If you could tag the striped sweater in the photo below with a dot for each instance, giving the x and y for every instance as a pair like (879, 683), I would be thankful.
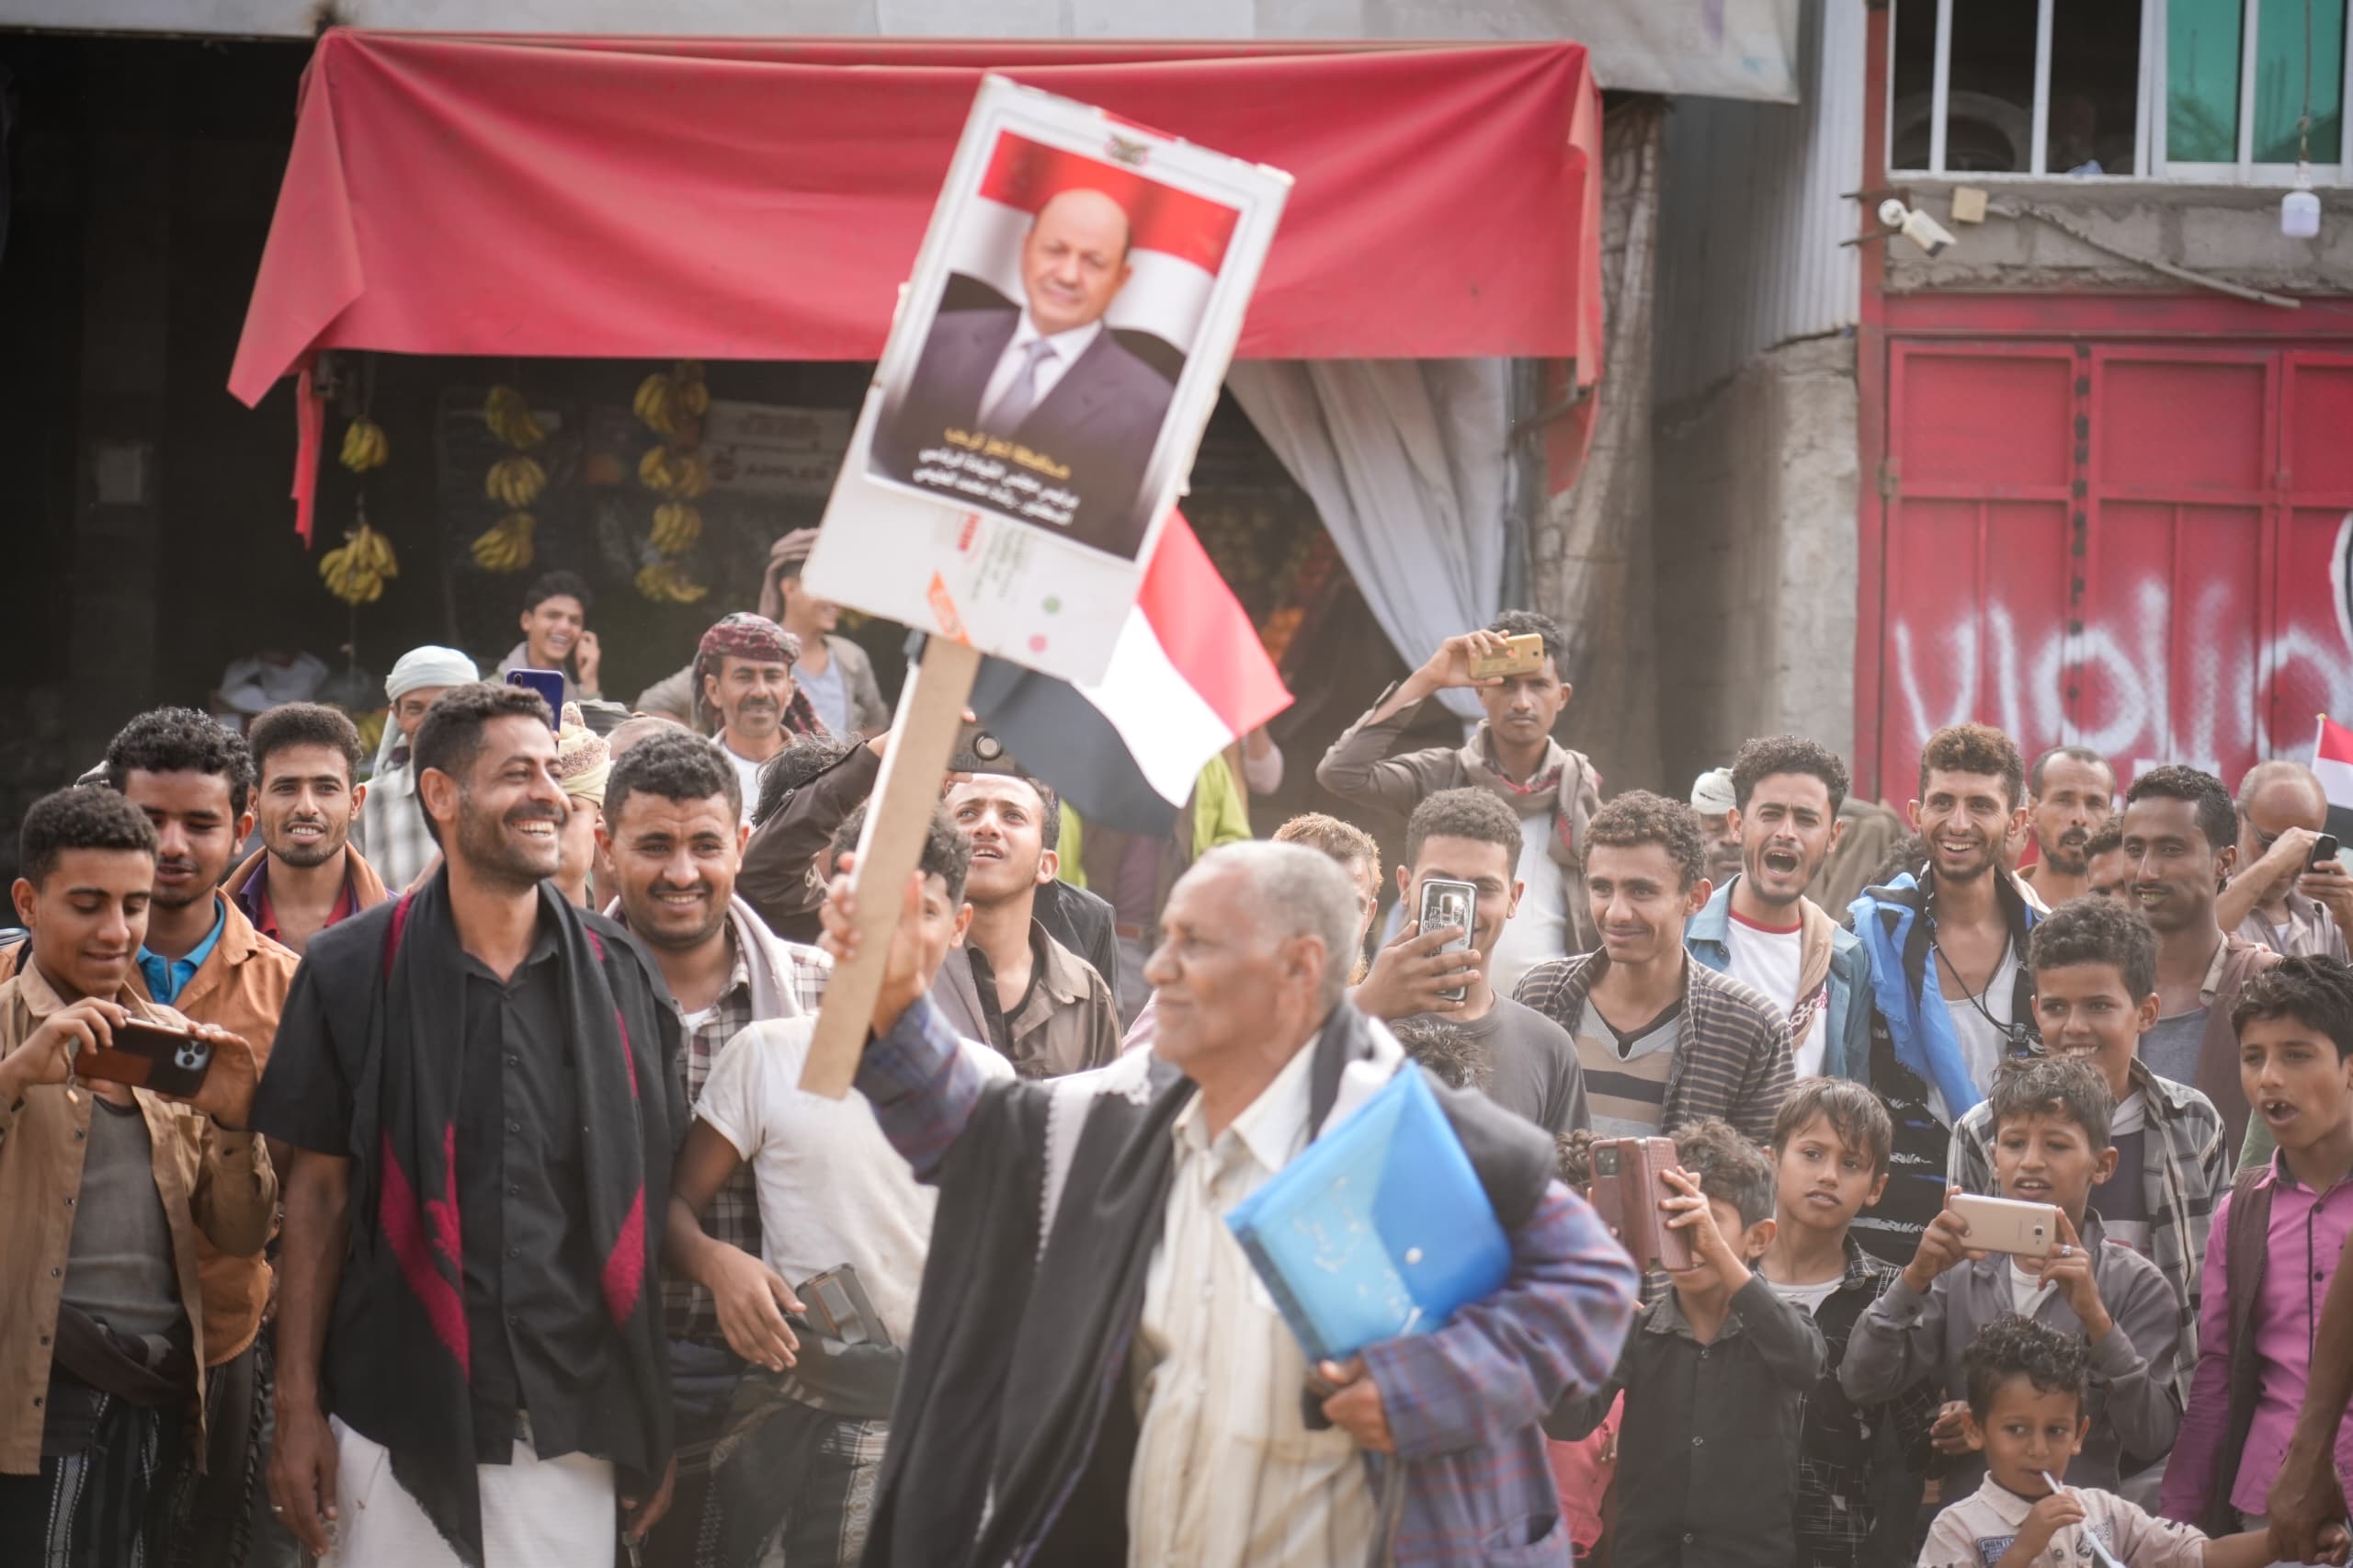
(1731, 1055)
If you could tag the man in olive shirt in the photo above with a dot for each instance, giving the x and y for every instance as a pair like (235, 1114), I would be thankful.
(1469, 836)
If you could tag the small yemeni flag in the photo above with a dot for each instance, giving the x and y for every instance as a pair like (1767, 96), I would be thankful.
(2333, 760)
(1187, 677)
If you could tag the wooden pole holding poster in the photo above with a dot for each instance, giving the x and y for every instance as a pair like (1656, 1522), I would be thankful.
(906, 793)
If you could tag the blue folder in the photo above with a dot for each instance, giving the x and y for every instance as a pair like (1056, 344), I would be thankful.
(1380, 1227)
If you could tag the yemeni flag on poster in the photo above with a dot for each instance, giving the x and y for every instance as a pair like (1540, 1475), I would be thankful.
(1187, 678)
(2333, 760)
(1176, 242)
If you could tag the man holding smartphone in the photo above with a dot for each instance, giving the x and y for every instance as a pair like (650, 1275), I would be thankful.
(104, 1193)
(1460, 846)
(2289, 892)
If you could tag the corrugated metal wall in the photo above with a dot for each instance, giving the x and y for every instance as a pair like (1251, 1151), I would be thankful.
(1753, 207)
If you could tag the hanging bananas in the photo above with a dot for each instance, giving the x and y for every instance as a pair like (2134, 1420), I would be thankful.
(508, 415)
(355, 572)
(677, 525)
(687, 392)
(656, 404)
(505, 546)
(515, 482)
(363, 446)
(663, 583)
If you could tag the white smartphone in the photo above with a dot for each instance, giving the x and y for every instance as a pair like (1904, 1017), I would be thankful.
(2006, 1224)
(1448, 902)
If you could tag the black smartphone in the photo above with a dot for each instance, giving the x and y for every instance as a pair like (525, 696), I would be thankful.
(2323, 851)
(1449, 903)
(549, 684)
(149, 1056)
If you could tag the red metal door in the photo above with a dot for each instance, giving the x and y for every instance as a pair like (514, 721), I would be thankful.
(2137, 547)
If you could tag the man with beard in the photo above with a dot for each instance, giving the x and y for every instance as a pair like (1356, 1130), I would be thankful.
(744, 676)
(2277, 897)
(1760, 926)
(2181, 839)
(479, 1085)
(2070, 791)
(1719, 807)
(1094, 1374)
(1009, 982)
(1513, 755)
(306, 877)
(193, 778)
(1665, 1043)
(1950, 989)
(673, 835)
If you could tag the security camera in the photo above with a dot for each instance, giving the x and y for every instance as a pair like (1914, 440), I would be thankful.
(1918, 227)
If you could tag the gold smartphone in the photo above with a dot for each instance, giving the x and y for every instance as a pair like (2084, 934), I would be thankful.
(1522, 655)
(2007, 1224)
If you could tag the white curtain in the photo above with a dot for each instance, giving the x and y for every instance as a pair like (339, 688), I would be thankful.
(1405, 460)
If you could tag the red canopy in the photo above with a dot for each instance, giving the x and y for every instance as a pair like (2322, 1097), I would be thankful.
(758, 200)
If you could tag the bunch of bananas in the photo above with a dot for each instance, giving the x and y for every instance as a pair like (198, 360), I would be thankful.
(669, 402)
(508, 415)
(355, 572)
(663, 583)
(505, 546)
(515, 482)
(363, 446)
(677, 526)
(682, 475)
(371, 731)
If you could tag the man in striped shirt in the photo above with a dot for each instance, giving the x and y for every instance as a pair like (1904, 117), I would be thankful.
(1663, 1042)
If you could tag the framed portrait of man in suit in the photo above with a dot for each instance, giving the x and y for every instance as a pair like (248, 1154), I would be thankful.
(1055, 356)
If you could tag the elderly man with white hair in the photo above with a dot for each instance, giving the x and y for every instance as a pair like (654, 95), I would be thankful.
(391, 827)
(1097, 1374)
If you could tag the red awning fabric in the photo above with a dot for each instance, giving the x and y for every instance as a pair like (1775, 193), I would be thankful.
(764, 199)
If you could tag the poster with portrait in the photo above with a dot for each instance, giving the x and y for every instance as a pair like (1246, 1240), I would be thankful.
(1055, 356)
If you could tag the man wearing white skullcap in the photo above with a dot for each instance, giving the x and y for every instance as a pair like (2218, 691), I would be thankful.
(1711, 797)
(392, 825)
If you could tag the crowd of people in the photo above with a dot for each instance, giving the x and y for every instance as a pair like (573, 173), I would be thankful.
(494, 1228)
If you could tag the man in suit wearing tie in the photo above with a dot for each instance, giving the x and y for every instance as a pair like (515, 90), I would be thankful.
(1050, 377)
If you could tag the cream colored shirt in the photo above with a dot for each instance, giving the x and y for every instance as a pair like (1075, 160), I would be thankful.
(1226, 1473)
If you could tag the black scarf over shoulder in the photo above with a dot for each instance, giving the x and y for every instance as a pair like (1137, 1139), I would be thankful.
(406, 1242)
(1013, 1432)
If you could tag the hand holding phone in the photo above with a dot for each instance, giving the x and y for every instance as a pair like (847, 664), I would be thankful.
(1629, 1184)
(2006, 1224)
(1446, 905)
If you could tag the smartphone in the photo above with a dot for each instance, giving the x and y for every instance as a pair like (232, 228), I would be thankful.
(1628, 1182)
(2005, 1224)
(2323, 851)
(549, 684)
(978, 751)
(836, 1304)
(149, 1056)
(1447, 903)
(1522, 655)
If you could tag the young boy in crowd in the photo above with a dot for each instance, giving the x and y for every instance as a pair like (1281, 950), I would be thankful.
(2027, 1394)
(1831, 1145)
(2095, 965)
(2279, 1239)
(1715, 1374)
(2051, 1145)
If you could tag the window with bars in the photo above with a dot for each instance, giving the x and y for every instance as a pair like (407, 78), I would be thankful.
(2220, 91)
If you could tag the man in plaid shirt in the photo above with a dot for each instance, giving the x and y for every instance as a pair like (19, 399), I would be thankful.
(674, 831)
(392, 825)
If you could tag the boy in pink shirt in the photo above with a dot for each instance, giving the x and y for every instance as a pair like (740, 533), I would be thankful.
(2275, 1245)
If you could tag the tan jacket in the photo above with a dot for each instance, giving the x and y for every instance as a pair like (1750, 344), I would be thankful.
(214, 1184)
(1068, 1024)
(241, 987)
(366, 888)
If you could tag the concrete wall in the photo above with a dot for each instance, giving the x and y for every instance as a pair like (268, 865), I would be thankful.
(2225, 233)
(1754, 501)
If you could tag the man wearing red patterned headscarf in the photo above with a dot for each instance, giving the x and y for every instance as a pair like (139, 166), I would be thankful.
(743, 682)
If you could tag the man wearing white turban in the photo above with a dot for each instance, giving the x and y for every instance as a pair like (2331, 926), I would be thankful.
(391, 825)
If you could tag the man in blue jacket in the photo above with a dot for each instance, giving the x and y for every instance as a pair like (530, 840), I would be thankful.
(1761, 928)
(1951, 995)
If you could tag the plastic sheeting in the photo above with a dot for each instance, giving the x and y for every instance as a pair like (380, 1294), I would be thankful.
(728, 199)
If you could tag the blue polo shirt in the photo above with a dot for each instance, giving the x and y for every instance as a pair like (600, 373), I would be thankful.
(166, 976)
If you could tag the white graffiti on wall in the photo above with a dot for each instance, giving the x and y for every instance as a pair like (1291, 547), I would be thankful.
(2141, 708)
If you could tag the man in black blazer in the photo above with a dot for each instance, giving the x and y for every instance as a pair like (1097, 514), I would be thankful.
(1050, 377)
